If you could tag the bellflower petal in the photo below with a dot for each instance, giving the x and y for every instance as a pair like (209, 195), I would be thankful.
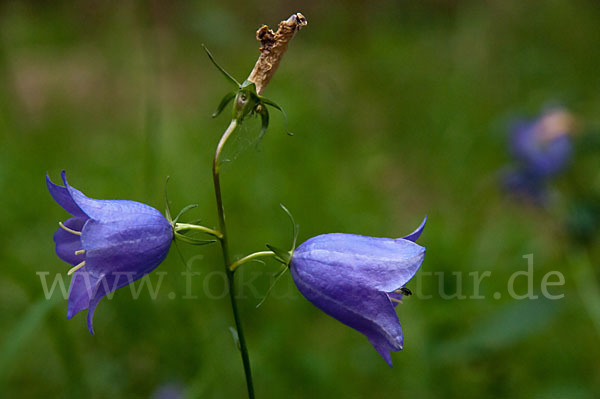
(111, 243)
(383, 263)
(146, 245)
(414, 236)
(353, 278)
(80, 292)
(62, 196)
(106, 209)
(67, 243)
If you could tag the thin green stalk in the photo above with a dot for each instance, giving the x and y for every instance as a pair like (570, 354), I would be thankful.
(203, 229)
(224, 246)
(248, 258)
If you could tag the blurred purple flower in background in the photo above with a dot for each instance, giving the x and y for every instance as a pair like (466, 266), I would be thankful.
(541, 148)
(110, 243)
(171, 390)
(359, 280)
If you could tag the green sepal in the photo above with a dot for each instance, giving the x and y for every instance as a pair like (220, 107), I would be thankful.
(167, 207)
(277, 107)
(184, 210)
(264, 116)
(223, 71)
(295, 227)
(279, 274)
(251, 86)
(224, 101)
(236, 338)
(281, 255)
(192, 241)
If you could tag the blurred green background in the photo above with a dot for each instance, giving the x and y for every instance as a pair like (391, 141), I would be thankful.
(399, 110)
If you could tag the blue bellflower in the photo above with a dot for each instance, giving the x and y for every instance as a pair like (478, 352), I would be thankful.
(359, 280)
(541, 149)
(172, 390)
(110, 244)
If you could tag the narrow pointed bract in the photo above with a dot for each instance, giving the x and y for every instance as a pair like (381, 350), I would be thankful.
(111, 243)
(357, 280)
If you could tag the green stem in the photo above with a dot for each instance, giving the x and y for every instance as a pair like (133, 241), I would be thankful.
(250, 257)
(226, 259)
(203, 229)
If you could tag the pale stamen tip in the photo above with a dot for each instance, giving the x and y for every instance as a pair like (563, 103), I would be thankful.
(74, 269)
(69, 229)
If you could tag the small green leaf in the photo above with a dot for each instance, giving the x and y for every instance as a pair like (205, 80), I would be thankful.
(274, 105)
(224, 101)
(223, 71)
(236, 337)
(280, 255)
(192, 241)
(295, 227)
(279, 274)
(167, 208)
(181, 212)
(264, 116)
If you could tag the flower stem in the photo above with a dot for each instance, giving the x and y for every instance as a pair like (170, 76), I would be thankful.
(203, 229)
(224, 246)
(250, 257)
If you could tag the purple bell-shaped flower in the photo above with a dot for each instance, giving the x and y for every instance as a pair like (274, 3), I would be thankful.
(359, 280)
(541, 148)
(110, 244)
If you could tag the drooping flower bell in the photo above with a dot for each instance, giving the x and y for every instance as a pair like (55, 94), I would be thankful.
(359, 280)
(110, 244)
(541, 149)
